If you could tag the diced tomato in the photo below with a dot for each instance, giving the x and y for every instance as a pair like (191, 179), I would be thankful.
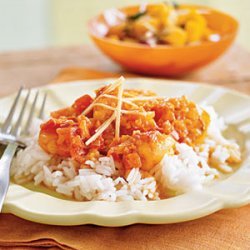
(82, 103)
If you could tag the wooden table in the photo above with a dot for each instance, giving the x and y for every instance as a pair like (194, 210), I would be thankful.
(38, 67)
(226, 229)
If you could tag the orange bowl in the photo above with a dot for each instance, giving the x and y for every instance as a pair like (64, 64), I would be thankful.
(165, 60)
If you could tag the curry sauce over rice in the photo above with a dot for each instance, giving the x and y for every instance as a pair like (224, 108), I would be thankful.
(127, 144)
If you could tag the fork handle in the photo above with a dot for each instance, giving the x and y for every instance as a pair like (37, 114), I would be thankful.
(5, 163)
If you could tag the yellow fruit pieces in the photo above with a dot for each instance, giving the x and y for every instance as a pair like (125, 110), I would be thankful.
(165, 24)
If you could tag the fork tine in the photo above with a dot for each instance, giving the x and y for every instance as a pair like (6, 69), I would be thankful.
(16, 129)
(41, 114)
(6, 126)
(31, 114)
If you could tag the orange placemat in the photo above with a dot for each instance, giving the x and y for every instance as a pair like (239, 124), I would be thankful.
(226, 229)
(75, 73)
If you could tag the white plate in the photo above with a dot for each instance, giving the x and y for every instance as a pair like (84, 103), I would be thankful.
(232, 191)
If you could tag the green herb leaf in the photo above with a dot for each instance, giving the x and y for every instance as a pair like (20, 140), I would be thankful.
(136, 16)
(175, 4)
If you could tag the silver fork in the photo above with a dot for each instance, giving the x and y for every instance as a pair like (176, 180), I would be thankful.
(10, 133)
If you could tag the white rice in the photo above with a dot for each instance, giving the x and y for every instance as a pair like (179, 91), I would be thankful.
(98, 182)
(185, 171)
(191, 168)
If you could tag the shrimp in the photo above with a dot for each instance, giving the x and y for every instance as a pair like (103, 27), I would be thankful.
(54, 137)
(66, 137)
(141, 150)
(181, 118)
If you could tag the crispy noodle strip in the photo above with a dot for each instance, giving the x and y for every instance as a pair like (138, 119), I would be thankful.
(109, 89)
(145, 98)
(101, 129)
(133, 112)
(123, 100)
(118, 112)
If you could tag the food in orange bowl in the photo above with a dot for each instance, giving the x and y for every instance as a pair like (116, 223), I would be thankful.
(162, 39)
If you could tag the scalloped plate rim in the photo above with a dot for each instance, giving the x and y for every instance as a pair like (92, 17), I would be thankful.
(132, 215)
